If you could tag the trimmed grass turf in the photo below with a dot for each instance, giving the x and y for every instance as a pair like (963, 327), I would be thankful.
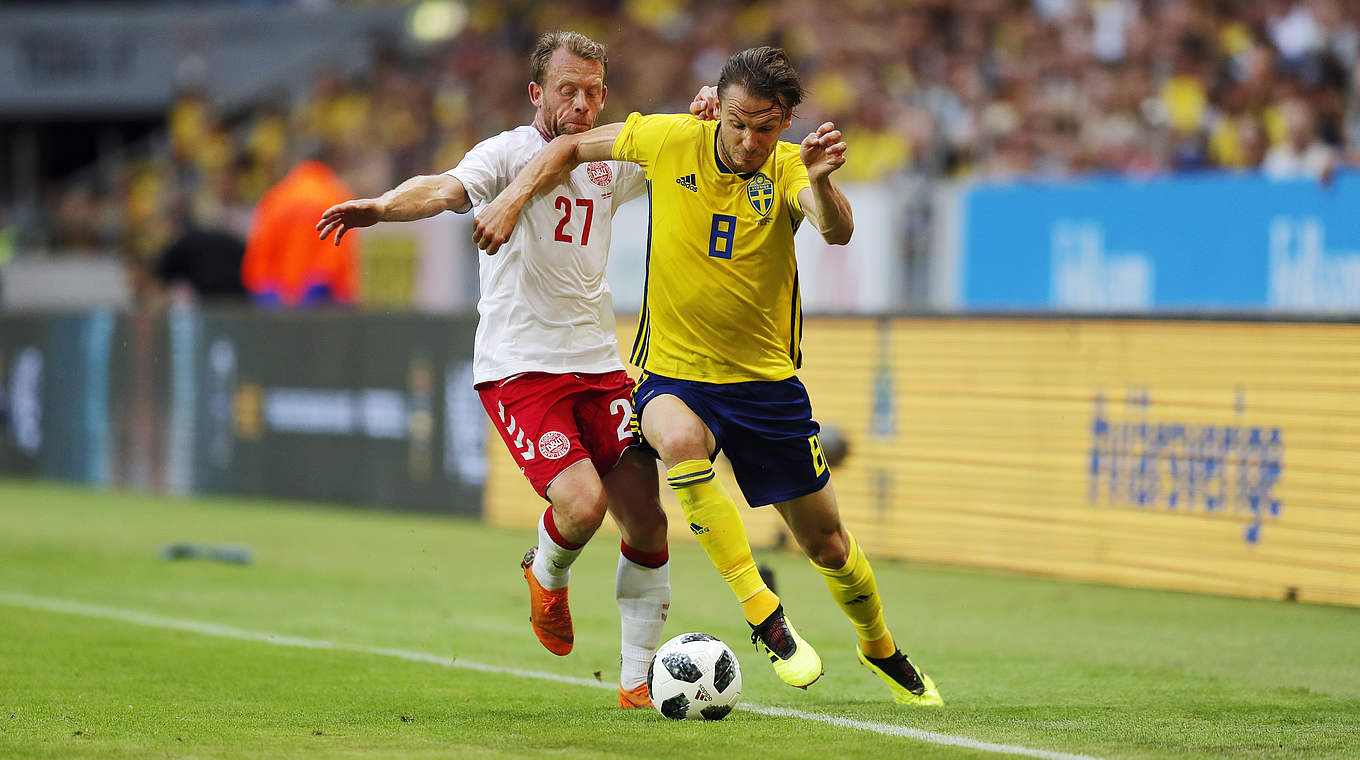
(1040, 663)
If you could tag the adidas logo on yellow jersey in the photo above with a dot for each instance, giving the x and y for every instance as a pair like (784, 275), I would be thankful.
(687, 181)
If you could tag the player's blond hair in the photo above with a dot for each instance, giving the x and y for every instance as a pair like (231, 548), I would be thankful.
(576, 43)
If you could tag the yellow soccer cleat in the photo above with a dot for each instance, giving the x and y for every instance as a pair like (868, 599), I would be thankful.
(631, 698)
(548, 611)
(909, 686)
(794, 660)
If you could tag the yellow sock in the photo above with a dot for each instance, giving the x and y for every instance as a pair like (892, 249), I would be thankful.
(713, 519)
(854, 589)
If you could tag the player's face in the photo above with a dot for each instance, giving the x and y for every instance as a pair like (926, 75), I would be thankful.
(571, 96)
(748, 128)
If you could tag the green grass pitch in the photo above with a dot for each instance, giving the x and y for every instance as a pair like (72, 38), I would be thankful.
(108, 651)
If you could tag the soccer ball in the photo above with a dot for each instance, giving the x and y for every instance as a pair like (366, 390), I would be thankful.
(694, 676)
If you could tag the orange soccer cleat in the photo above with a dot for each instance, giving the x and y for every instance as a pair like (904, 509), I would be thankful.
(638, 697)
(548, 611)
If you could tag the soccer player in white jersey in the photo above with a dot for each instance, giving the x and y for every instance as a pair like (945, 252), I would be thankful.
(546, 359)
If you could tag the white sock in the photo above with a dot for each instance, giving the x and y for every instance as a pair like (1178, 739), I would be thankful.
(552, 564)
(644, 597)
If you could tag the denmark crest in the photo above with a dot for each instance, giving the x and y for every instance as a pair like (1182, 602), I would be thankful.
(553, 445)
(761, 192)
(599, 173)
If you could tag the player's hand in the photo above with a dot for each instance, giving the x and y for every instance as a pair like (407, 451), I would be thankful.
(343, 217)
(705, 104)
(822, 151)
(491, 229)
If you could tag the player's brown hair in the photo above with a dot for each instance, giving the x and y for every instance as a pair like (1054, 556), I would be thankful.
(576, 43)
(765, 73)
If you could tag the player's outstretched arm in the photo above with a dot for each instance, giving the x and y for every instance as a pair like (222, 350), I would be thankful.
(823, 152)
(492, 227)
(416, 198)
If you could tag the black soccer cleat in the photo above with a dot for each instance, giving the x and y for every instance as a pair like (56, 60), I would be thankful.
(794, 660)
(908, 685)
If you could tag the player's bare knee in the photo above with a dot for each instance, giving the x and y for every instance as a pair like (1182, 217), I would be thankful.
(593, 507)
(583, 501)
(675, 432)
(829, 550)
(653, 530)
(641, 522)
(678, 442)
(588, 513)
(646, 514)
(832, 559)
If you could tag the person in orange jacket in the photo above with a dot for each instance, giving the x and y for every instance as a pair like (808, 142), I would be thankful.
(285, 264)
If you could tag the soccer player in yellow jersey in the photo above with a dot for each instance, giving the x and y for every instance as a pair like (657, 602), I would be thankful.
(718, 338)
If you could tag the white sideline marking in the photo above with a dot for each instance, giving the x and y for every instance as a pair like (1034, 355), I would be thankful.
(230, 632)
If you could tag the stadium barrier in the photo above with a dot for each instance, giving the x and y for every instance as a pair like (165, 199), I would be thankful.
(1216, 456)
(1205, 456)
(336, 406)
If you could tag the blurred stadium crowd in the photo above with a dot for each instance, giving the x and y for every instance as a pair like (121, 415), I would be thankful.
(989, 89)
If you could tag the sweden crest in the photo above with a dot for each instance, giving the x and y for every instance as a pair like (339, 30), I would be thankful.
(761, 192)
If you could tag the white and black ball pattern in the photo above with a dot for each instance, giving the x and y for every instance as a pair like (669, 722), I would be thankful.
(694, 676)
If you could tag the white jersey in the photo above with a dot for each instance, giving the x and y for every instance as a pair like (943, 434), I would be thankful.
(545, 305)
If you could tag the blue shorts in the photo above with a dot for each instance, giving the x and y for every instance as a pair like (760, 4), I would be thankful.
(765, 428)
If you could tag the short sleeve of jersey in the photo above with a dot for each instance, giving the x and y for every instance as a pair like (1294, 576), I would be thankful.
(631, 182)
(642, 138)
(793, 176)
(484, 170)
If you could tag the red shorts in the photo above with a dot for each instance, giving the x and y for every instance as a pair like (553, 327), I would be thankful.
(550, 422)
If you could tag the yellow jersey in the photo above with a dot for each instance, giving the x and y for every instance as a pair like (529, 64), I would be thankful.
(720, 303)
